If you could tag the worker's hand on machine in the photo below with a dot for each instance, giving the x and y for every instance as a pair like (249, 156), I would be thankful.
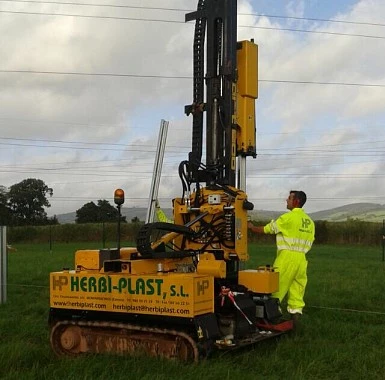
(157, 203)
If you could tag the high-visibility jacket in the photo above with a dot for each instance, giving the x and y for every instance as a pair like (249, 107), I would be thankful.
(294, 231)
(295, 235)
(162, 217)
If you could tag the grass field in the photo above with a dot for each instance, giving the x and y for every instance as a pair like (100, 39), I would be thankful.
(342, 333)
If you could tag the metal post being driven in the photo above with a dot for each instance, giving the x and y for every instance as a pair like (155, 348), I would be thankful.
(242, 173)
(383, 240)
(157, 171)
(3, 264)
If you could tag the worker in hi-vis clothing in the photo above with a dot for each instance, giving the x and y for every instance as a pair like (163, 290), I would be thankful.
(161, 215)
(294, 232)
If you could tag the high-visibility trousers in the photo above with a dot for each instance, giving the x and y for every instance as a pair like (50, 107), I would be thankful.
(292, 268)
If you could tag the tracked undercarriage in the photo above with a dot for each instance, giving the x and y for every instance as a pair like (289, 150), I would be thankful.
(73, 338)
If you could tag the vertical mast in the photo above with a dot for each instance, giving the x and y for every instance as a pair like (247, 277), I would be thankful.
(218, 18)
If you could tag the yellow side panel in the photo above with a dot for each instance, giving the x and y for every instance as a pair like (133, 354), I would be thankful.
(246, 133)
(216, 268)
(88, 259)
(150, 266)
(173, 294)
(92, 259)
(247, 85)
(143, 266)
(247, 64)
(259, 281)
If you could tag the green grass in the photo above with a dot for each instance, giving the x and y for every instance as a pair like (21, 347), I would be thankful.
(340, 337)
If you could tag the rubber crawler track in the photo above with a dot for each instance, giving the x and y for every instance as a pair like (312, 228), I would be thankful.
(160, 338)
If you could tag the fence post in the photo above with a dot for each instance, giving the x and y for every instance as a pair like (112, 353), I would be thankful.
(383, 239)
(158, 162)
(104, 234)
(50, 238)
(3, 264)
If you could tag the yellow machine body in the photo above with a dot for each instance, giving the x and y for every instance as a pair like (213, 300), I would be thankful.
(261, 280)
(183, 291)
(167, 294)
(227, 211)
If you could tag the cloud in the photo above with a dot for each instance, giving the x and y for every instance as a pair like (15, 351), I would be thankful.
(295, 8)
(86, 135)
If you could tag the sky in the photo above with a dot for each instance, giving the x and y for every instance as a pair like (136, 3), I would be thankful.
(85, 84)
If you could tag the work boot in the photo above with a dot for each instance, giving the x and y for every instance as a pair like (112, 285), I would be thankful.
(296, 318)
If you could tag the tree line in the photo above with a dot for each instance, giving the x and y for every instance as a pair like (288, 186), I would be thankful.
(25, 203)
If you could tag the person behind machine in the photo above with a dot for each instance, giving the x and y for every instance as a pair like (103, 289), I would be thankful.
(294, 232)
(161, 216)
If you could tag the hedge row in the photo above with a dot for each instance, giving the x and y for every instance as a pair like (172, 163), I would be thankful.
(349, 232)
(66, 233)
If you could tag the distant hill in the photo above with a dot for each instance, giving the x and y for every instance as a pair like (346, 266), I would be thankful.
(369, 212)
(69, 217)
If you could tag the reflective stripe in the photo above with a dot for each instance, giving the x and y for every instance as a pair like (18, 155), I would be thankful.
(294, 231)
(293, 244)
(294, 311)
(288, 248)
(294, 241)
(273, 226)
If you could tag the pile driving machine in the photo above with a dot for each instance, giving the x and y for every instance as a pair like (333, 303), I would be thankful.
(182, 292)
